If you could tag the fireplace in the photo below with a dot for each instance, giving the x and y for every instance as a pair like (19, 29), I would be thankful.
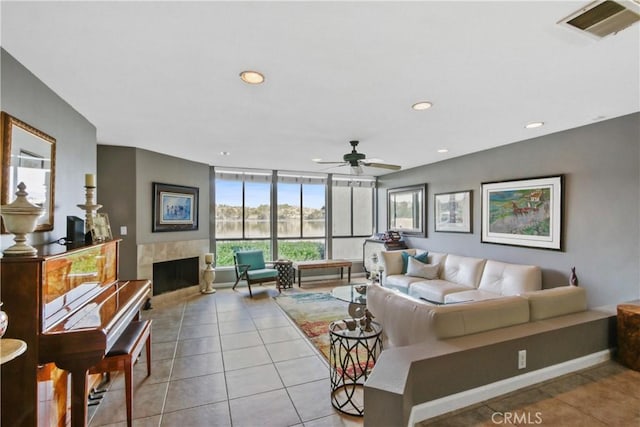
(175, 274)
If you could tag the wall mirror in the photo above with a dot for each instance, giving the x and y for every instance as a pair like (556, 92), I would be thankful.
(406, 208)
(28, 155)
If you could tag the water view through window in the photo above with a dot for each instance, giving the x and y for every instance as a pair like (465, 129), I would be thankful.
(243, 212)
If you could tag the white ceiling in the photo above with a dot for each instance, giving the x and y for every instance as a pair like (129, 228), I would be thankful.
(164, 75)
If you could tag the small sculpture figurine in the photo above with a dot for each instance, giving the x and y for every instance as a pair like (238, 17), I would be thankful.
(573, 279)
(365, 321)
(351, 324)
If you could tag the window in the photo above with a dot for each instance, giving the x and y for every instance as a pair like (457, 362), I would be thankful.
(296, 225)
(301, 216)
(243, 213)
(352, 215)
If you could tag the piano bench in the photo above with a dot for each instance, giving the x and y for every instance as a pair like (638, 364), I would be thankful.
(123, 355)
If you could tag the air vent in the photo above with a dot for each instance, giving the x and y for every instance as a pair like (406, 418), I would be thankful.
(602, 18)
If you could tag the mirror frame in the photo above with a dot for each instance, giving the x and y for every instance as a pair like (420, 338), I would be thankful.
(8, 123)
(420, 211)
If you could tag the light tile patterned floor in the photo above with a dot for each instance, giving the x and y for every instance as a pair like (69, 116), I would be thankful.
(228, 360)
(225, 359)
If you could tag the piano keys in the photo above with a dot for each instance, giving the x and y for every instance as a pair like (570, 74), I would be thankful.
(70, 308)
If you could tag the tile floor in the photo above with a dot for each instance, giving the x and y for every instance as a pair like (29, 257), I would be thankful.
(225, 359)
(607, 394)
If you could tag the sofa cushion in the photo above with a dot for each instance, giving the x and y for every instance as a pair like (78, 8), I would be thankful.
(474, 295)
(510, 279)
(401, 282)
(417, 268)
(556, 302)
(462, 270)
(455, 320)
(392, 261)
(435, 290)
(422, 257)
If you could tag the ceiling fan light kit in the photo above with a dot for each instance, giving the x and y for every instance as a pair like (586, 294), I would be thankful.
(357, 160)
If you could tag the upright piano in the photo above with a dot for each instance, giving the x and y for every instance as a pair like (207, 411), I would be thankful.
(68, 305)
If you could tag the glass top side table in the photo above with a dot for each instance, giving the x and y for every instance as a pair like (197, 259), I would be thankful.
(353, 353)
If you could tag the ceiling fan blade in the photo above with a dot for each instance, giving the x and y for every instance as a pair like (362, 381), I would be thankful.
(340, 165)
(382, 166)
(320, 162)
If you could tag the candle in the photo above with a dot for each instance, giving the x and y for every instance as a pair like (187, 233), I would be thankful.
(89, 180)
(208, 258)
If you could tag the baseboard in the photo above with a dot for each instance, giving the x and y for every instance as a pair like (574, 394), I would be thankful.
(466, 398)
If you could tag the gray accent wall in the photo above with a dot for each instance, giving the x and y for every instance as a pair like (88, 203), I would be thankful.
(129, 197)
(155, 167)
(27, 98)
(601, 221)
(117, 189)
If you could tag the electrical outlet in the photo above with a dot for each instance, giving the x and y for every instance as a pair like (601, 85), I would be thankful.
(123, 230)
(522, 359)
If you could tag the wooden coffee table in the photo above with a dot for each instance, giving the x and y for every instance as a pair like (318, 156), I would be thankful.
(322, 264)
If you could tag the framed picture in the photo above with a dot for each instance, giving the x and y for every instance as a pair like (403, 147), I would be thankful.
(526, 212)
(101, 229)
(406, 207)
(175, 207)
(452, 212)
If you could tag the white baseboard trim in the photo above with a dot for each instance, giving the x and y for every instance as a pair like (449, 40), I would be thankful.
(466, 398)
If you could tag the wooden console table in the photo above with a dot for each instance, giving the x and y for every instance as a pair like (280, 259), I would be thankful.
(323, 264)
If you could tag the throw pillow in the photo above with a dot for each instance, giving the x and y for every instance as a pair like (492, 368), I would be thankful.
(405, 259)
(419, 269)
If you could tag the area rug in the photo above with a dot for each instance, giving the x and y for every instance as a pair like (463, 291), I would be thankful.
(313, 312)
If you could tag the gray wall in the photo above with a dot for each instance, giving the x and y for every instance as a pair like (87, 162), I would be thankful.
(27, 98)
(116, 178)
(601, 164)
(154, 167)
(128, 196)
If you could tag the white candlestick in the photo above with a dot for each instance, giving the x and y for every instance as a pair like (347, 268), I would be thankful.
(89, 180)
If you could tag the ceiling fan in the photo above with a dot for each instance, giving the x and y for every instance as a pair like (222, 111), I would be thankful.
(357, 160)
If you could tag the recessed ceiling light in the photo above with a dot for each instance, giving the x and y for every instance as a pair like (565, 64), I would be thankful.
(443, 150)
(534, 125)
(317, 159)
(422, 105)
(252, 77)
(224, 153)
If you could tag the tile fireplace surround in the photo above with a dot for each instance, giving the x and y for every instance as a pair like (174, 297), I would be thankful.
(149, 253)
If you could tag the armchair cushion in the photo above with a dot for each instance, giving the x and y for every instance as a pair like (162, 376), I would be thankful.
(254, 259)
(263, 273)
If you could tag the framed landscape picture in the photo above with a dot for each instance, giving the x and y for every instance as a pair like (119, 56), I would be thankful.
(175, 207)
(526, 212)
(453, 212)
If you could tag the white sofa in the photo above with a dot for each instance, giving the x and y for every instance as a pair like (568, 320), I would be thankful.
(460, 278)
(406, 320)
